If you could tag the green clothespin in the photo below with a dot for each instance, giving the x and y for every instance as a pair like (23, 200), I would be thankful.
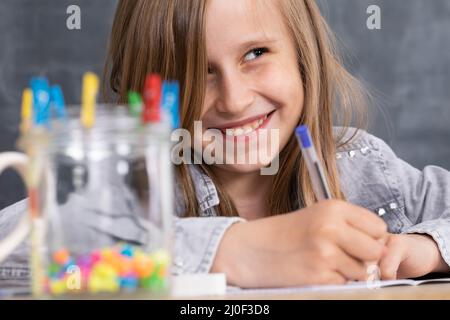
(135, 102)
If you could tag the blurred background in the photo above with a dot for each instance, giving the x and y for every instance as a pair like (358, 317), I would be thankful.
(406, 65)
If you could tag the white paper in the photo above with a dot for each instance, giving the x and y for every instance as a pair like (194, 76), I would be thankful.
(324, 288)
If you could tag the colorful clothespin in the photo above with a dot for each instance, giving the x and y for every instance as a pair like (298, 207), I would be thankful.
(57, 102)
(41, 101)
(152, 98)
(170, 101)
(26, 111)
(135, 102)
(90, 89)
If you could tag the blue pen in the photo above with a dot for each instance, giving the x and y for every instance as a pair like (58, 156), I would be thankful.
(41, 100)
(318, 180)
(170, 101)
(57, 102)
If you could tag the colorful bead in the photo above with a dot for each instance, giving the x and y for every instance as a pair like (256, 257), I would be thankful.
(127, 251)
(161, 257)
(54, 269)
(57, 287)
(162, 271)
(153, 283)
(61, 257)
(95, 256)
(125, 266)
(129, 282)
(143, 265)
(70, 262)
(85, 261)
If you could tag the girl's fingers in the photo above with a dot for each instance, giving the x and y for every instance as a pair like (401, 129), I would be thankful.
(350, 268)
(391, 261)
(367, 222)
(360, 246)
(334, 278)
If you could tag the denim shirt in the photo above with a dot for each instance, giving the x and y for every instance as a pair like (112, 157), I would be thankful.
(371, 176)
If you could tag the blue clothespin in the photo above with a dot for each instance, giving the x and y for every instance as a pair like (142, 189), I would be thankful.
(41, 101)
(57, 102)
(170, 101)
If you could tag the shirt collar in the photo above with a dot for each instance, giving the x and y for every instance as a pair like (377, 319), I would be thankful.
(205, 189)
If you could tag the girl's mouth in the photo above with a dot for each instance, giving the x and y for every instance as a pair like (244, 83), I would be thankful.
(249, 127)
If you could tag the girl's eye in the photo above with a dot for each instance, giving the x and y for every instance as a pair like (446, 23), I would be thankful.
(255, 53)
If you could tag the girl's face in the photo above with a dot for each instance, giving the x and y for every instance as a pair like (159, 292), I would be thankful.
(254, 83)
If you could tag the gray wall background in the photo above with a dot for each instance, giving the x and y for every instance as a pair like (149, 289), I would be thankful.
(406, 65)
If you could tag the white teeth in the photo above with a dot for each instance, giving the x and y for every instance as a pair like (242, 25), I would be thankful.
(238, 131)
(247, 129)
(229, 132)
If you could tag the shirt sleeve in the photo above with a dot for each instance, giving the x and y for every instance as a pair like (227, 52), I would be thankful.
(197, 241)
(426, 197)
(14, 270)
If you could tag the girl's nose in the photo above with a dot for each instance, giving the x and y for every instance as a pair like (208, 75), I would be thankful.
(235, 94)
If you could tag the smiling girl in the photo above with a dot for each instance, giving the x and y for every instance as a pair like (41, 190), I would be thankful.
(248, 67)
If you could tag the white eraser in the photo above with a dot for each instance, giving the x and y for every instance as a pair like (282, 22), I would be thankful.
(201, 284)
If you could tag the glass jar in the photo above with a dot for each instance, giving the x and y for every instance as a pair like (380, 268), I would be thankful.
(101, 205)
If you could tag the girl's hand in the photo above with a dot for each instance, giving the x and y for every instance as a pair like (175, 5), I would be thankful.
(327, 243)
(411, 256)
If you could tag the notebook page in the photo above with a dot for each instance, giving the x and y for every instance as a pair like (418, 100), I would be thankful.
(438, 280)
(353, 285)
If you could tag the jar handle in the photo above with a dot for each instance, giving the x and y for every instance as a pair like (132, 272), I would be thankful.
(19, 162)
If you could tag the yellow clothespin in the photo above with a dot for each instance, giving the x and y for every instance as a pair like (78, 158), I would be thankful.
(88, 99)
(26, 111)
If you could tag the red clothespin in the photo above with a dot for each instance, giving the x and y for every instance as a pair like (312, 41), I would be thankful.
(152, 99)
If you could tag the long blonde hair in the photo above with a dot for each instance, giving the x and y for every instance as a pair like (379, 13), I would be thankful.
(168, 37)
